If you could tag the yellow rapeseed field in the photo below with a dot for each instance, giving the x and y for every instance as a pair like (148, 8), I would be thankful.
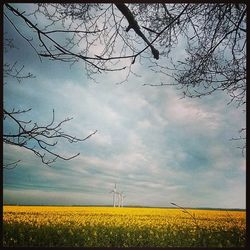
(121, 227)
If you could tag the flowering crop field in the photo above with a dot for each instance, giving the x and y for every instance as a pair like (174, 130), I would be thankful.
(122, 227)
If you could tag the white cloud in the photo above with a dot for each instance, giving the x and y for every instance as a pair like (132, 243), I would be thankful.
(243, 165)
(134, 101)
(102, 139)
(191, 112)
(144, 124)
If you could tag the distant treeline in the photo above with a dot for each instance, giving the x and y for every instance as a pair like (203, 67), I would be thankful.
(132, 206)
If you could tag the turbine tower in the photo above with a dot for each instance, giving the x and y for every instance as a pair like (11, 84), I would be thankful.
(114, 191)
(122, 198)
(119, 199)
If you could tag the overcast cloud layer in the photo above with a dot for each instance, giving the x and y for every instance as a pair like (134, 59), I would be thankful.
(157, 147)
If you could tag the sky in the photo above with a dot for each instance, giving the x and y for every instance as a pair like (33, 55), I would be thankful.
(157, 147)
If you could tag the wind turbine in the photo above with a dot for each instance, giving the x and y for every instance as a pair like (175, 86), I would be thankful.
(119, 199)
(114, 191)
(122, 198)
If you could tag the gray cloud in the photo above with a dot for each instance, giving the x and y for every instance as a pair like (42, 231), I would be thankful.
(157, 147)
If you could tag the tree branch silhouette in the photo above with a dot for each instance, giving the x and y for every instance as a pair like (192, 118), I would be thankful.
(213, 37)
(40, 139)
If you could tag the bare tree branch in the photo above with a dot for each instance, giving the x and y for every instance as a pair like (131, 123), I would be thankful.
(134, 25)
(40, 139)
(214, 36)
(11, 165)
(48, 52)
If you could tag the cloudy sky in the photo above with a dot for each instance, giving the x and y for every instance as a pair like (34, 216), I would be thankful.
(157, 147)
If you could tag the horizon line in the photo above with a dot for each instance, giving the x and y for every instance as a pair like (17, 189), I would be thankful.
(126, 206)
